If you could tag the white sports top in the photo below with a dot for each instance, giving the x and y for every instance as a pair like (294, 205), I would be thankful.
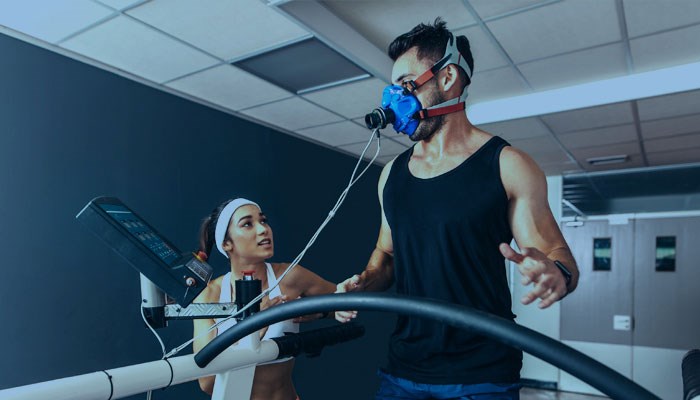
(275, 330)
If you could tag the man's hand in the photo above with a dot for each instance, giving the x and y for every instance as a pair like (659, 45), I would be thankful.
(352, 284)
(535, 267)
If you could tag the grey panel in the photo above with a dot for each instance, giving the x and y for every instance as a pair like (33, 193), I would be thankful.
(587, 314)
(298, 73)
(666, 303)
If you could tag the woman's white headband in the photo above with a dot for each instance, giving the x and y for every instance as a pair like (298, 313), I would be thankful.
(225, 218)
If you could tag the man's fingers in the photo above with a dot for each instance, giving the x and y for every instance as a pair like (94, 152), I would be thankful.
(549, 300)
(348, 285)
(538, 292)
(345, 316)
(510, 254)
(529, 274)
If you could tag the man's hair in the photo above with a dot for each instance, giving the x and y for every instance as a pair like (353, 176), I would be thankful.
(431, 40)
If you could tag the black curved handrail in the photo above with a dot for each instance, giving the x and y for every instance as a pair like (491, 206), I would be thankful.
(577, 364)
(690, 367)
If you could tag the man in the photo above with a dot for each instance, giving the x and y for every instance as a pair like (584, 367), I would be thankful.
(450, 206)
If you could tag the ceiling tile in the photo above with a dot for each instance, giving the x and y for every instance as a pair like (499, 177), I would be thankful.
(490, 8)
(226, 29)
(667, 49)
(557, 28)
(599, 137)
(292, 114)
(672, 105)
(38, 18)
(515, 129)
(120, 4)
(648, 16)
(486, 53)
(574, 68)
(370, 17)
(337, 134)
(537, 145)
(546, 158)
(138, 49)
(674, 157)
(494, 84)
(389, 148)
(385, 159)
(352, 100)
(589, 118)
(671, 126)
(673, 143)
(568, 167)
(224, 84)
(583, 154)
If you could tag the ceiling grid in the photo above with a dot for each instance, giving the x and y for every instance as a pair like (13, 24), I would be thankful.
(523, 42)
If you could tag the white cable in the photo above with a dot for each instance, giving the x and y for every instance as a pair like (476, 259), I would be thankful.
(298, 258)
(162, 346)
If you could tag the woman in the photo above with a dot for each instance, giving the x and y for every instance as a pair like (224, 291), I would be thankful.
(241, 233)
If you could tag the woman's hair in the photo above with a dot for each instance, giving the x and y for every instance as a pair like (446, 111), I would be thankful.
(207, 230)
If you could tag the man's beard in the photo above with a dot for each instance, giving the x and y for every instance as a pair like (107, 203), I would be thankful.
(427, 127)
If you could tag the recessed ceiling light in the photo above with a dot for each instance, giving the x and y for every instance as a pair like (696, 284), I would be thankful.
(608, 160)
(303, 67)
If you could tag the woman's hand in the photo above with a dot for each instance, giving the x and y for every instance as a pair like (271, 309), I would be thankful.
(352, 284)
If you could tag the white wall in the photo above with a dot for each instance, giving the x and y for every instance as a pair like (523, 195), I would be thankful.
(543, 321)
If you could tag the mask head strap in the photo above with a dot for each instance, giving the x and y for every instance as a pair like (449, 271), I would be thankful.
(452, 56)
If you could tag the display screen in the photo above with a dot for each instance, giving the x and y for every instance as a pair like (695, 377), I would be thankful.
(141, 231)
(665, 253)
(602, 254)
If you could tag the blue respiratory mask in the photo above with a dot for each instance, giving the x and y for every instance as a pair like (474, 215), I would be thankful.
(401, 108)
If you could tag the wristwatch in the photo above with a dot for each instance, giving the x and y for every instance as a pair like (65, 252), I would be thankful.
(565, 271)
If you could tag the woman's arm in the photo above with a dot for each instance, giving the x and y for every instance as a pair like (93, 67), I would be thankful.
(201, 326)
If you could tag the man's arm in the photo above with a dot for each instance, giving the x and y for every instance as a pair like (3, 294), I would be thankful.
(379, 272)
(535, 231)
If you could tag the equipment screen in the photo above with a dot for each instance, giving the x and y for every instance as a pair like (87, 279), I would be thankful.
(141, 231)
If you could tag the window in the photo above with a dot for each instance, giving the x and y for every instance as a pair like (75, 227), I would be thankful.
(665, 253)
(601, 254)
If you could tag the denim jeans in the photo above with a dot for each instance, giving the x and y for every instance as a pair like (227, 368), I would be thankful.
(395, 388)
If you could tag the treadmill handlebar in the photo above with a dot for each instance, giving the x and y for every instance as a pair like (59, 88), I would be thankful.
(312, 342)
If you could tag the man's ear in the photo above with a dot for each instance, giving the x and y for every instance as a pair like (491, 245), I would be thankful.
(450, 77)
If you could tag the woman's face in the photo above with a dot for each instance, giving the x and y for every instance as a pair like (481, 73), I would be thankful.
(249, 235)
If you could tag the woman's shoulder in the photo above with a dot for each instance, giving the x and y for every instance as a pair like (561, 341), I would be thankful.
(212, 292)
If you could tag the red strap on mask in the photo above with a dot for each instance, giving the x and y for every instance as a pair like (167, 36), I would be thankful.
(427, 113)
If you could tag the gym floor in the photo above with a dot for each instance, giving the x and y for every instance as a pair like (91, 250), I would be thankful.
(539, 394)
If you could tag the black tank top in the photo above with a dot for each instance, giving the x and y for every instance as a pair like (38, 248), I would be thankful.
(446, 231)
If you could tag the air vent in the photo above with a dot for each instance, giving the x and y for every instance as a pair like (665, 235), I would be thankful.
(608, 160)
(303, 67)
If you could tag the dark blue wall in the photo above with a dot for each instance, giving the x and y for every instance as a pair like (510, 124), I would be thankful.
(70, 132)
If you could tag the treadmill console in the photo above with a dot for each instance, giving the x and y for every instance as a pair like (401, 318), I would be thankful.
(181, 276)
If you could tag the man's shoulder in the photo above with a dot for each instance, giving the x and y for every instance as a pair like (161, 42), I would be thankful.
(386, 170)
(519, 171)
(516, 160)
